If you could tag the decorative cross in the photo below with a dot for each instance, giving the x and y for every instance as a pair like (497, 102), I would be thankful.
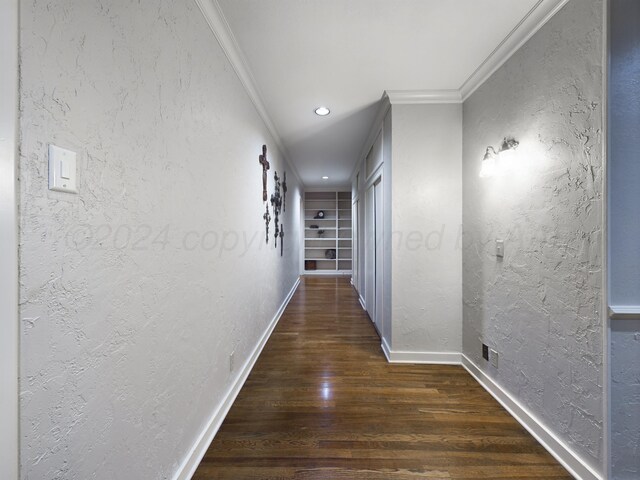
(284, 192)
(262, 159)
(281, 239)
(267, 219)
(276, 205)
(276, 235)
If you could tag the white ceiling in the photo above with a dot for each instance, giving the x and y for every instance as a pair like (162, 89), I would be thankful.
(345, 53)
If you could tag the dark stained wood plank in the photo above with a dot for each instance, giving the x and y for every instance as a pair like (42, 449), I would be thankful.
(323, 403)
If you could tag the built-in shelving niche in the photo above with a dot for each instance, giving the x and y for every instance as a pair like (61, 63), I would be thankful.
(336, 225)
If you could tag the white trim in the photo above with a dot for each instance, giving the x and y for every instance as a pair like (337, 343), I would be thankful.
(420, 97)
(604, 301)
(376, 127)
(197, 451)
(362, 304)
(626, 312)
(556, 447)
(540, 14)
(526, 28)
(386, 349)
(429, 358)
(9, 314)
(222, 31)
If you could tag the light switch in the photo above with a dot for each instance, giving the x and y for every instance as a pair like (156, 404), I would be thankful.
(62, 170)
(500, 248)
(65, 171)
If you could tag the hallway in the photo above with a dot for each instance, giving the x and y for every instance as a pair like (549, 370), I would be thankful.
(323, 403)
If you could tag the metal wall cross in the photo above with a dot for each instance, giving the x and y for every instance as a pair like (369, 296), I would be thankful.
(262, 159)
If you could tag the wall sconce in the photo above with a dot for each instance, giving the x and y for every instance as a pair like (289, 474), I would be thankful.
(497, 162)
(489, 166)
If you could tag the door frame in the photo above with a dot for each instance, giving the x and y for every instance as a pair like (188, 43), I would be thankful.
(377, 176)
(9, 322)
(369, 251)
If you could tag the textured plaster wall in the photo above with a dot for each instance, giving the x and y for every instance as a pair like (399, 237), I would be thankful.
(426, 219)
(540, 307)
(134, 292)
(624, 231)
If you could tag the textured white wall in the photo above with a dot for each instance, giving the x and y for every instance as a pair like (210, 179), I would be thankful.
(134, 292)
(540, 306)
(427, 215)
(624, 231)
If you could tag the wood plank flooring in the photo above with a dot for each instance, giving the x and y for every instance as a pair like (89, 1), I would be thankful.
(323, 403)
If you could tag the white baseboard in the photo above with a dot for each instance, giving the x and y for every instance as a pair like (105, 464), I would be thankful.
(386, 349)
(362, 302)
(556, 447)
(195, 455)
(436, 358)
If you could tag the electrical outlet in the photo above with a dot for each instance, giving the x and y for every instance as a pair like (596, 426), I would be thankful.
(493, 355)
(500, 248)
(232, 361)
(485, 352)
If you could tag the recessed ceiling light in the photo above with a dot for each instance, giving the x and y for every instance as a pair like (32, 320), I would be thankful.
(322, 111)
(325, 178)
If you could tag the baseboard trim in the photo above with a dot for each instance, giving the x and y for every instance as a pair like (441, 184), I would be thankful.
(556, 447)
(431, 358)
(362, 302)
(385, 349)
(195, 455)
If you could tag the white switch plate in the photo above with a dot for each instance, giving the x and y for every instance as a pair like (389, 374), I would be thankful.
(62, 170)
(493, 357)
(500, 248)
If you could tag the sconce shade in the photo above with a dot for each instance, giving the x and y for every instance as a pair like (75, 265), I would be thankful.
(489, 167)
(501, 162)
(507, 152)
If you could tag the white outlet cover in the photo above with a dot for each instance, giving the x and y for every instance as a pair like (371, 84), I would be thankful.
(493, 356)
(500, 248)
(62, 170)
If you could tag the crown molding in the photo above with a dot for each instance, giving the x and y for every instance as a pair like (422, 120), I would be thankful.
(535, 19)
(540, 14)
(218, 24)
(412, 97)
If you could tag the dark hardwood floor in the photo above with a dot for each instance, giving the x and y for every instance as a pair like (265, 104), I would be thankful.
(323, 403)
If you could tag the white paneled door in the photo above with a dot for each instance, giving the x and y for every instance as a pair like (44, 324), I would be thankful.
(374, 250)
(369, 252)
(379, 274)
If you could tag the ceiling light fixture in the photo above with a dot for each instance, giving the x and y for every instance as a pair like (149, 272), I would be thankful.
(325, 178)
(322, 111)
(501, 161)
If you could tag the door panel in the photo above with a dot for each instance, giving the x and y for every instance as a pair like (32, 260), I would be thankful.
(379, 251)
(369, 252)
